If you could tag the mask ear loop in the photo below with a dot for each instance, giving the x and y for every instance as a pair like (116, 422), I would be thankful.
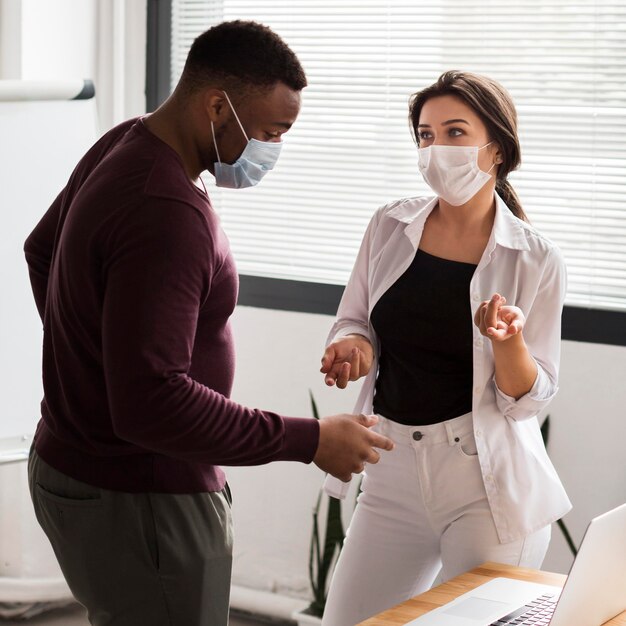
(495, 162)
(215, 144)
(236, 116)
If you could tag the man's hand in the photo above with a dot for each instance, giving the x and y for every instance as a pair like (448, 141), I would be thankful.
(346, 359)
(347, 443)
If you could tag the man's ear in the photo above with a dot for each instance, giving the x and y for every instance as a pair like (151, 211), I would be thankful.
(216, 105)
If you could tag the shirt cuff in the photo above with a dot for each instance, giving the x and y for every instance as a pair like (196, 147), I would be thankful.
(302, 436)
(336, 488)
(352, 329)
(531, 403)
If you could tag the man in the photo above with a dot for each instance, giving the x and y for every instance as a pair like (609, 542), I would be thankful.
(135, 283)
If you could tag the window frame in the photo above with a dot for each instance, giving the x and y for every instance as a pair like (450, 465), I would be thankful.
(582, 324)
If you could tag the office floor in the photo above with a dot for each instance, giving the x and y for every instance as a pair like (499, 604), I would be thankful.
(75, 616)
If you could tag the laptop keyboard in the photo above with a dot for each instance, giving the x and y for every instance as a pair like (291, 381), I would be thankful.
(536, 613)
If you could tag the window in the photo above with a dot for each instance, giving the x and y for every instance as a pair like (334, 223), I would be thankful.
(351, 149)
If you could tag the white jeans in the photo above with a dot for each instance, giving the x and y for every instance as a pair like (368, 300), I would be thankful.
(423, 508)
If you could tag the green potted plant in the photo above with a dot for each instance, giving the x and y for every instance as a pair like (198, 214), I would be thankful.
(326, 541)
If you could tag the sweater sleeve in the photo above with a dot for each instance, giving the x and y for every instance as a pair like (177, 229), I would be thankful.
(38, 250)
(158, 274)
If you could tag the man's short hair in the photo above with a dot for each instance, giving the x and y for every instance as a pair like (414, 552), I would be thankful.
(240, 55)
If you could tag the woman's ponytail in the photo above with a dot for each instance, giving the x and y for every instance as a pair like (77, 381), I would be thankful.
(507, 193)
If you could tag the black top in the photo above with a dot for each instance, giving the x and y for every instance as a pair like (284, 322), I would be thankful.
(424, 325)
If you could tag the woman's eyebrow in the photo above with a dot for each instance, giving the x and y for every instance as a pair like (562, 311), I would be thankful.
(446, 123)
(455, 121)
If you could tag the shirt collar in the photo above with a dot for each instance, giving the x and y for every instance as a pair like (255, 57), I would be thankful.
(508, 231)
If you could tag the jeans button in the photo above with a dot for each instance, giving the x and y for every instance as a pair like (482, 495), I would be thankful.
(417, 435)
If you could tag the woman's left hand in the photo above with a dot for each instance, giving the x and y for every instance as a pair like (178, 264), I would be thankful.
(498, 321)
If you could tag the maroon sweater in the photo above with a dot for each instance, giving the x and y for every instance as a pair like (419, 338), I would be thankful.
(135, 283)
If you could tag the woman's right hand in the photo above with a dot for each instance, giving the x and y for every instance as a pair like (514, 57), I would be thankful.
(347, 359)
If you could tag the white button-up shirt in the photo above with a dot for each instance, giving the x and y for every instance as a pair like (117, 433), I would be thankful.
(523, 489)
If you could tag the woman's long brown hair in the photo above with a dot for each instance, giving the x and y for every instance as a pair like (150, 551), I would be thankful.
(493, 104)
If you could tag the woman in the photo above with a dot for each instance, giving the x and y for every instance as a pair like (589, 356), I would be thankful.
(452, 313)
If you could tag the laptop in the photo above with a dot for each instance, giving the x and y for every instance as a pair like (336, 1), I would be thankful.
(595, 590)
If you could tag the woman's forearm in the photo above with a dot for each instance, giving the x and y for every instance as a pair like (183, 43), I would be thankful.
(516, 370)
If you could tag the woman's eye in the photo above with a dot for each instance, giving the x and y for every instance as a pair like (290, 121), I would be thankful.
(455, 132)
(424, 135)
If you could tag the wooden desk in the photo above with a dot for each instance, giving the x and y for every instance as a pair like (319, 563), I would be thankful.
(405, 612)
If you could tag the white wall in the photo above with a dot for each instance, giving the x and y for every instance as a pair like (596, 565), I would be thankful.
(46, 139)
(54, 39)
(278, 361)
(104, 41)
(10, 39)
(58, 39)
(588, 435)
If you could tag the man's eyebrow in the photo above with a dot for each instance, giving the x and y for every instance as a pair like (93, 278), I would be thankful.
(285, 125)
(446, 123)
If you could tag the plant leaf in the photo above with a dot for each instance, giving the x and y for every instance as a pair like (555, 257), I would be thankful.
(568, 537)
(316, 414)
(545, 431)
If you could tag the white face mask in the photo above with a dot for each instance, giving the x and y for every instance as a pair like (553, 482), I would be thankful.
(256, 160)
(452, 172)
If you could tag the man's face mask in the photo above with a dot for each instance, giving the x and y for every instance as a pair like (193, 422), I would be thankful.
(257, 158)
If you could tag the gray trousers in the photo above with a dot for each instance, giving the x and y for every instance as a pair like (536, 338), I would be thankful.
(138, 559)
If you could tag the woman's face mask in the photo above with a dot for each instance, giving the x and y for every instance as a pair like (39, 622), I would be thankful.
(257, 158)
(452, 172)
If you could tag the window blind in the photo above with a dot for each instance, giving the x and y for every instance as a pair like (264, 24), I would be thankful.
(563, 61)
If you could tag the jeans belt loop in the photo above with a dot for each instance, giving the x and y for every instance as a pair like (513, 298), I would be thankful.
(452, 440)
